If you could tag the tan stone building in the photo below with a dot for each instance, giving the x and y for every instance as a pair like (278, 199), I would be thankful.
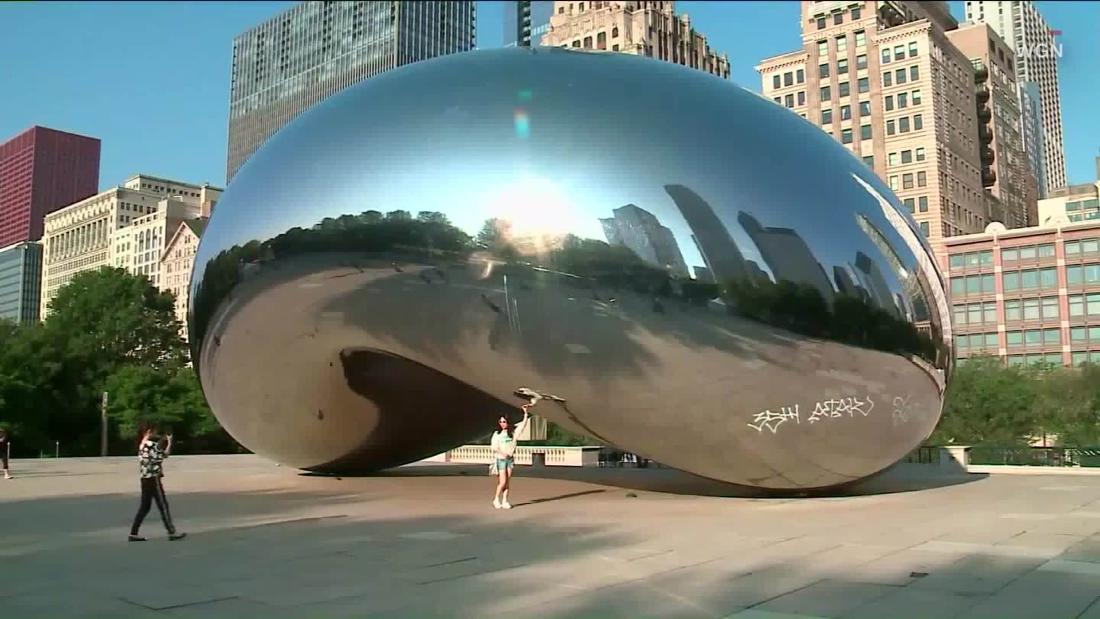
(1006, 172)
(885, 80)
(95, 232)
(177, 262)
(643, 28)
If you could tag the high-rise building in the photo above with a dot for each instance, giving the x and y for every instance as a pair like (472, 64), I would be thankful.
(644, 28)
(724, 261)
(1005, 168)
(1073, 203)
(641, 232)
(525, 21)
(177, 262)
(1031, 128)
(96, 232)
(315, 49)
(1037, 54)
(42, 170)
(20, 282)
(884, 79)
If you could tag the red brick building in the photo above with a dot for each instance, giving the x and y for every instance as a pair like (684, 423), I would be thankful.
(42, 170)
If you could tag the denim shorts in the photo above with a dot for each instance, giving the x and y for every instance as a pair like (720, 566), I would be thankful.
(505, 463)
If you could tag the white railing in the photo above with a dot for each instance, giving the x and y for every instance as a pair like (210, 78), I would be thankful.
(525, 455)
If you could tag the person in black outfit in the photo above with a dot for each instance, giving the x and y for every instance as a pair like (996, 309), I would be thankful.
(151, 457)
(5, 445)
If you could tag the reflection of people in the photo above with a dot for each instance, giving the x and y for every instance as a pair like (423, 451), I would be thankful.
(5, 448)
(503, 445)
(151, 457)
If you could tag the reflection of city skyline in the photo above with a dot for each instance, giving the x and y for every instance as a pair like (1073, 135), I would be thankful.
(723, 259)
(640, 231)
(787, 255)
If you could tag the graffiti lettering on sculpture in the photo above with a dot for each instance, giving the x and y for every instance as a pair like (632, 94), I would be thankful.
(901, 410)
(824, 410)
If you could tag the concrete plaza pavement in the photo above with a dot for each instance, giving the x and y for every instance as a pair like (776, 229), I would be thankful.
(423, 541)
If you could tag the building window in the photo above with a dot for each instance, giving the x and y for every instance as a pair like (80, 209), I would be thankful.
(864, 108)
(800, 76)
(890, 127)
(1083, 274)
(865, 132)
(826, 116)
(918, 122)
(907, 156)
(820, 23)
(903, 124)
(889, 102)
(838, 18)
(846, 136)
(841, 45)
(923, 203)
(903, 100)
(802, 97)
(886, 79)
(899, 77)
(920, 154)
(842, 66)
(1084, 246)
(601, 40)
(778, 100)
(861, 36)
(843, 89)
(912, 49)
(822, 48)
(861, 61)
(855, 14)
(615, 47)
(914, 73)
(826, 94)
(922, 179)
(823, 70)
(864, 85)
(615, 32)
(894, 182)
(788, 100)
(869, 161)
(908, 202)
(788, 79)
(1084, 305)
(892, 159)
(907, 181)
(885, 55)
(845, 112)
(899, 52)
(924, 228)
(588, 42)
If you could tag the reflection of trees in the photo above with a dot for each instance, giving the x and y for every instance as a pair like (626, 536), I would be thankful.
(799, 307)
(430, 235)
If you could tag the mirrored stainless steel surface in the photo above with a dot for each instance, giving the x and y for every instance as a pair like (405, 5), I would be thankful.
(682, 268)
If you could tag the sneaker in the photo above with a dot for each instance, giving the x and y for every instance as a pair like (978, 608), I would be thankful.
(496, 503)
(7, 475)
(506, 505)
(135, 538)
(175, 536)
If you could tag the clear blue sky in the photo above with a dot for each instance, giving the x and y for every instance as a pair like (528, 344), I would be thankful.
(152, 79)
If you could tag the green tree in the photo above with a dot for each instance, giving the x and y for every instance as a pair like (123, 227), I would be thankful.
(990, 403)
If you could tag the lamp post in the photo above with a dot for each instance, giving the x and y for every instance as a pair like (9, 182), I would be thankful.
(103, 426)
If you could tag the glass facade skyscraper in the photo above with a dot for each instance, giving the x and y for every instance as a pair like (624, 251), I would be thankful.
(20, 282)
(525, 21)
(315, 49)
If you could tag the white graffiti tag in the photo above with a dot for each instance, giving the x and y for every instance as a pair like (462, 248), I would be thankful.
(837, 407)
(772, 420)
(901, 410)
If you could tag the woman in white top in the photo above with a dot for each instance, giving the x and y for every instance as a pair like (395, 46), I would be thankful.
(504, 452)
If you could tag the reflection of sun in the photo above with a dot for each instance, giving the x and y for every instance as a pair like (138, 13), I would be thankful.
(534, 214)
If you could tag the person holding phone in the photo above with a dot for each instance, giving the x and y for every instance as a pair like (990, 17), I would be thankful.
(503, 445)
(151, 456)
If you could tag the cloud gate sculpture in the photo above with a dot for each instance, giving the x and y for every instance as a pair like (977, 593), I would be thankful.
(683, 269)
